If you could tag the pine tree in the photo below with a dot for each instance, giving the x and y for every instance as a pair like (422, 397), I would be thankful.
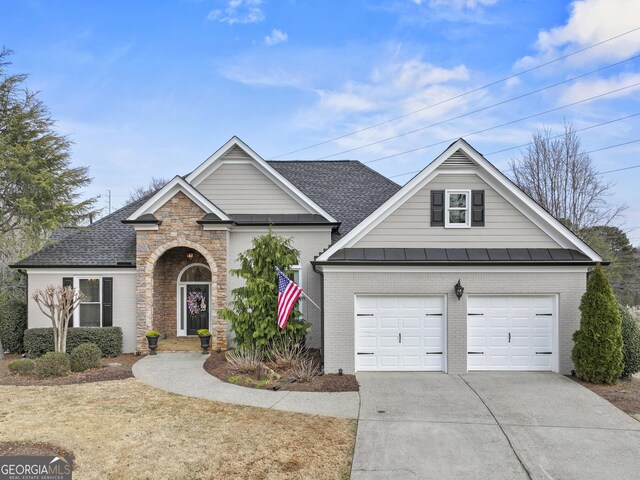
(253, 312)
(597, 350)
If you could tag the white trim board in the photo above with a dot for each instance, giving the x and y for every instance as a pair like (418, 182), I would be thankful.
(215, 160)
(451, 269)
(492, 176)
(166, 193)
(82, 271)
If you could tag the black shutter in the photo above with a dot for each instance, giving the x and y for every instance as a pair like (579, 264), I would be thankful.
(107, 301)
(477, 208)
(437, 208)
(68, 282)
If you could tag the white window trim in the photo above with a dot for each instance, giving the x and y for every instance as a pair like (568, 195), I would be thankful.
(76, 286)
(182, 332)
(301, 305)
(467, 208)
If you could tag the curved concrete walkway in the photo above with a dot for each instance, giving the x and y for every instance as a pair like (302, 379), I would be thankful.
(182, 372)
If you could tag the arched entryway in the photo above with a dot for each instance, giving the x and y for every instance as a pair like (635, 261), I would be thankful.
(183, 293)
(193, 299)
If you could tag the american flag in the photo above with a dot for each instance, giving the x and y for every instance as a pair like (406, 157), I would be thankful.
(288, 294)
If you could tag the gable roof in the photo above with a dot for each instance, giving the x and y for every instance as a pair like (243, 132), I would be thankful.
(166, 193)
(347, 189)
(493, 177)
(215, 160)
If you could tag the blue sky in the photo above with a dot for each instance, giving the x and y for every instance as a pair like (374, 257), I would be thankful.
(151, 88)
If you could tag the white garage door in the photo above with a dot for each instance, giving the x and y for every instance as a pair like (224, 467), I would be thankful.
(399, 333)
(511, 332)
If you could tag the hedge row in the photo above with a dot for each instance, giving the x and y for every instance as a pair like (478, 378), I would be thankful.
(38, 341)
(13, 321)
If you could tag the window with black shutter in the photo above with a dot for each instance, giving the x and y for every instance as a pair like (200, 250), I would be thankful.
(437, 208)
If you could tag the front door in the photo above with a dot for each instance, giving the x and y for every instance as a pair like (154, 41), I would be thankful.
(197, 307)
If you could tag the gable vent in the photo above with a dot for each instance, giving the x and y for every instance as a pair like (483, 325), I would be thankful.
(236, 153)
(458, 159)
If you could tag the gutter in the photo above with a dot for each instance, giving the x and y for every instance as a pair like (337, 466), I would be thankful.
(118, 266)
(360, 263)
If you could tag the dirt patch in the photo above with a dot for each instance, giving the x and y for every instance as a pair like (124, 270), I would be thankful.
(625, 394)
(217, 366)
(13, 449)
(117, 368)
(128, 430)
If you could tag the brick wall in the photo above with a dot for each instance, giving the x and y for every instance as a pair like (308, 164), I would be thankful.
(341, 288)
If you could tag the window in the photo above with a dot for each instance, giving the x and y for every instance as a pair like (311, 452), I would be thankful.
(295, 276)
(457, 209)
(89, 312)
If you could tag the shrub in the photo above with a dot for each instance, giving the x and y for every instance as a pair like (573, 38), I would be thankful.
(286, 350)
(38, 341)
(21, 366)
(204, 332)
(152, 333)
(245, 360)
(13, 321)
(253, 308)
(630, 342)
(53, 364)
(85, 356)
(305, 369)
(597, 349)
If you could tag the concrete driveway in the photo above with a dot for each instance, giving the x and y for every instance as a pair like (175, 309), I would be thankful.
(490, 426)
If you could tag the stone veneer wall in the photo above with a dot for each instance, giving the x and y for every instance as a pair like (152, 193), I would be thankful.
(179, 229)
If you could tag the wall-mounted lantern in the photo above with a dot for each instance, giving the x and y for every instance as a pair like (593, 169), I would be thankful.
(459, 289)
(189, 255)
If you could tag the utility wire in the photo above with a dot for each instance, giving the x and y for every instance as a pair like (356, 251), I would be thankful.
(507, 123)
(468, 92)
(591, 151)
(478, 110)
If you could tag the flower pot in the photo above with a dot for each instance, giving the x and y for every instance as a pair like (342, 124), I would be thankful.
(205, 343)
(153, 344)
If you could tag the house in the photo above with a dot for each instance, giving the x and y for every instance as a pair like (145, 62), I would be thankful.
(457, 270)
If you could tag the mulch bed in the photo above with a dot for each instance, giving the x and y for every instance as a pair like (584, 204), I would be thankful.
(116, 368)
(217, 366)
(14, 449)
(625, 394)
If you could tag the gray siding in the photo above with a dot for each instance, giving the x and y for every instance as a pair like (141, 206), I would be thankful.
(409, 226)
(341, 288)
(310, 244)
(124, 302)
(241, 188)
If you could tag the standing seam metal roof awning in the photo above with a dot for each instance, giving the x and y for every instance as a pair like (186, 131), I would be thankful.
(472, 256)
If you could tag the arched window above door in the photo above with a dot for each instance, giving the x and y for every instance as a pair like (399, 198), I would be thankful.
(198, 272)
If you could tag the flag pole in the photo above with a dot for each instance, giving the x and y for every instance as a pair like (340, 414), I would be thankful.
(314, 303)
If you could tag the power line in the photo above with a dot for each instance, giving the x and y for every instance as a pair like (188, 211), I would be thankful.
(591, 151)
(472, 112)
(507, 123)
(468, 92)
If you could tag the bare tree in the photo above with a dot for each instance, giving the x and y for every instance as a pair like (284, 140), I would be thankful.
(141, 192)
(561, 177)
(58, 303)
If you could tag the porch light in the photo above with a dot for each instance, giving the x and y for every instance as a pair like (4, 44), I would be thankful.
(189, 255)
(459, 289)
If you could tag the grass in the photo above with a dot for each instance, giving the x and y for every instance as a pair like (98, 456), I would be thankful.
(125, 429)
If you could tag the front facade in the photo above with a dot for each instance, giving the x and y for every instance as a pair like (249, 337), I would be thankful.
(386, 264)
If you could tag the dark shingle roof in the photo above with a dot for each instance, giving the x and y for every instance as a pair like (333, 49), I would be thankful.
(347, 189)
(105, 243)
(470, 256)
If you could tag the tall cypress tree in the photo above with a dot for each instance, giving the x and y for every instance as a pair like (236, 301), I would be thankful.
(597, 350)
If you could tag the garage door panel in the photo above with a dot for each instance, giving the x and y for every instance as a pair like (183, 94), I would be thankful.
(408, 333)
(530, 321)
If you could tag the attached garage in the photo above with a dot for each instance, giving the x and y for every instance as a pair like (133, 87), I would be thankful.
(399, 333)
(512, 332)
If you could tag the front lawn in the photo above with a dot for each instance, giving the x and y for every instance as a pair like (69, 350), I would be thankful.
(625, 394)
(125, 429)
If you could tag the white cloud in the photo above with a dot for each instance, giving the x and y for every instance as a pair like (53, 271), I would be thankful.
(275, 37)
(590, 22)
(238, 11)
(458, 4)
(590, 88)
